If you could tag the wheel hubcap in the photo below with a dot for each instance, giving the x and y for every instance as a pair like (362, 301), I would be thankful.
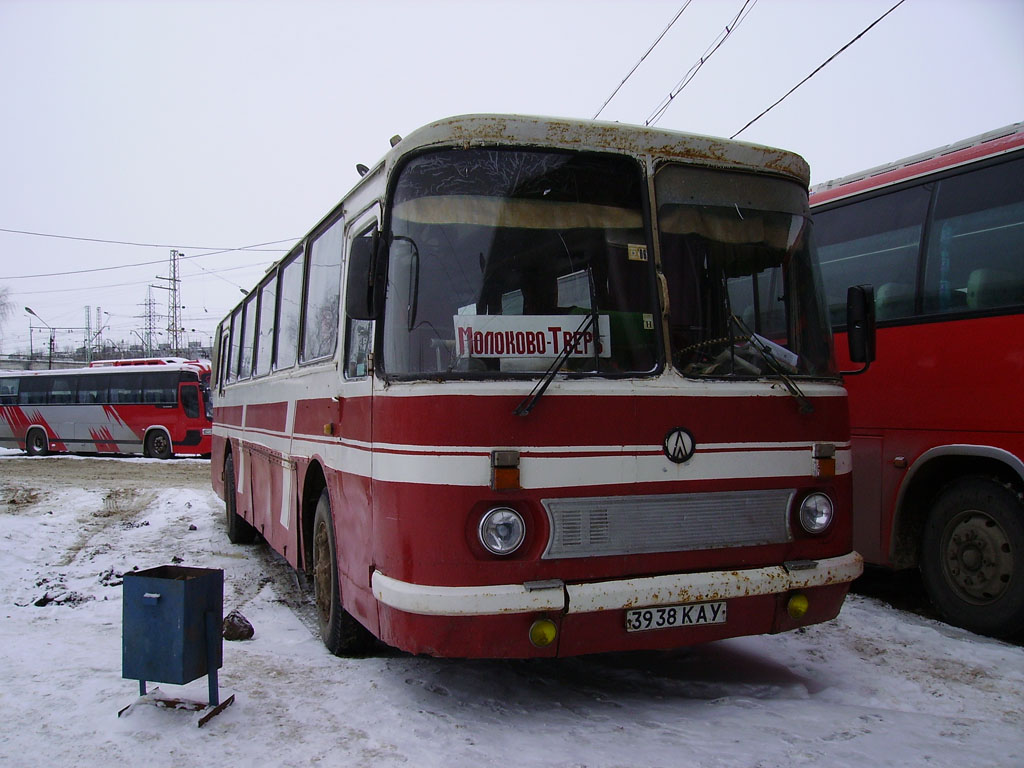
(978, 559)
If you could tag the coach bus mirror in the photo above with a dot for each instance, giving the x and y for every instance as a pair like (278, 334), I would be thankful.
(361, 298)
(860, 325)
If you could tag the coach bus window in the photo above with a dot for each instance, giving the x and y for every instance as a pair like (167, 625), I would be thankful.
(499, 256)
(976, 241)
(323, 287)
(126, 388)
(876, 241)
(265, 340)
(160, 388)
(93, 389)
(33, 390)
(62, 390)
(248, 337)
(741, 274)
(236, 344)
(9, 390)
(287, 326)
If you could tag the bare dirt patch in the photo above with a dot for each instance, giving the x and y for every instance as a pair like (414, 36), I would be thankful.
(79, 472)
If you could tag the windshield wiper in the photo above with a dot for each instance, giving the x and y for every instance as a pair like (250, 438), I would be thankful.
(524, 408)
(764, 349)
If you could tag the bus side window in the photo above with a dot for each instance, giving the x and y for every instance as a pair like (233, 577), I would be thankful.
(126, 388)
(286, 329)
(265, 332)
(190, 400)
(160, 388)
(62, 390)
(874, 241)
(975, 255)
(92, 389)
(33, 390)
(9, 390)
(323, 293)
(248, 337)
(235, 348)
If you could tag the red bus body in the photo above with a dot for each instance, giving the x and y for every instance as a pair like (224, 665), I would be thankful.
(675, 494)
(158, 410)
(937, 420)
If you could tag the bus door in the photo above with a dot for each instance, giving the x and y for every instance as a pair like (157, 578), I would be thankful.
(351, 498)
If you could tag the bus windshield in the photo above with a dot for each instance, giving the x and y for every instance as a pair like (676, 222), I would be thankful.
(745, 295)
(501, 260)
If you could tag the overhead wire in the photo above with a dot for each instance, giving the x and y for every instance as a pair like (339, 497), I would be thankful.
(741, 15)
(255, 247)
(818, 69)
(143, 245)
(641, 59)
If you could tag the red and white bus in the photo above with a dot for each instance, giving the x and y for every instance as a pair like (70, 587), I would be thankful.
(938, 420)
(159, 409)
(545, 387)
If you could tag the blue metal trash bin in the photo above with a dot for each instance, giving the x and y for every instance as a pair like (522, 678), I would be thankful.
(171, 625)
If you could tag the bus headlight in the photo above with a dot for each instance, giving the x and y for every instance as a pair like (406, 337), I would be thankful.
(502, 530)
(816, 513)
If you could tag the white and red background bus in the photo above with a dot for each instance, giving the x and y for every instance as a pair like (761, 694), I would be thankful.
(583, 397)
(938, 419)
(160, 408)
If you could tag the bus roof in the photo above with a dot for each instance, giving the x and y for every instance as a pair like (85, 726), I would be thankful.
(599, 136)
(996, 142)
(190, 366)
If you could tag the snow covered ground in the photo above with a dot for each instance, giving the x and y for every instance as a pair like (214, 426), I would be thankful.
(876, 687)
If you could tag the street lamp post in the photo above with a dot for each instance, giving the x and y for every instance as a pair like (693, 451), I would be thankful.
(49, 361)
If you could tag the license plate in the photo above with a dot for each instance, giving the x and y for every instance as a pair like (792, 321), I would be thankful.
(666, 616)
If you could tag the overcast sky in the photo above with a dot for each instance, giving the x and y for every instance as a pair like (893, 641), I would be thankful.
(223, 124)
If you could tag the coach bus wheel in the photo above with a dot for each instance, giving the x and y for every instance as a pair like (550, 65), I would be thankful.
(239, 530)
(36, 443)
(158, 445)
(972, 556)
(342, 634)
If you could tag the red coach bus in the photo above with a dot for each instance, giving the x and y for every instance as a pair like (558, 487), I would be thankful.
(159, 410)
(581, 397)
(938, 421)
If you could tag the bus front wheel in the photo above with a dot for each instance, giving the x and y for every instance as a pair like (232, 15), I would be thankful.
(972, 556)
(158, 445)
(36, 443)
(341, 633)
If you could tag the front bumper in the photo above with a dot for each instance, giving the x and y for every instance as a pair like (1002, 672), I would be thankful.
(591, 597)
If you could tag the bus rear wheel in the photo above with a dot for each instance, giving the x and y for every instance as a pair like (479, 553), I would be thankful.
(36, 443)
(158, 445)
(341, 633)
(239, 530)
(972, 556)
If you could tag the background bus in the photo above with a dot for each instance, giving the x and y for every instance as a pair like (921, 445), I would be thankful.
(582, 398)
(938, 420)
(160, 409)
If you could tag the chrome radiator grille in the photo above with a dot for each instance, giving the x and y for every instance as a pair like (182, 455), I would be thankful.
(632, 525)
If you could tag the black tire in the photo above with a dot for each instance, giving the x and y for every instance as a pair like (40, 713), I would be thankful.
(158, 445)
(36, 443)
(239, 529)
(972, 556)
(342, 634)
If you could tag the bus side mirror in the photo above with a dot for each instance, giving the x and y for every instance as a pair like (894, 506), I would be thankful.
(860, 324)
(365, 288)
